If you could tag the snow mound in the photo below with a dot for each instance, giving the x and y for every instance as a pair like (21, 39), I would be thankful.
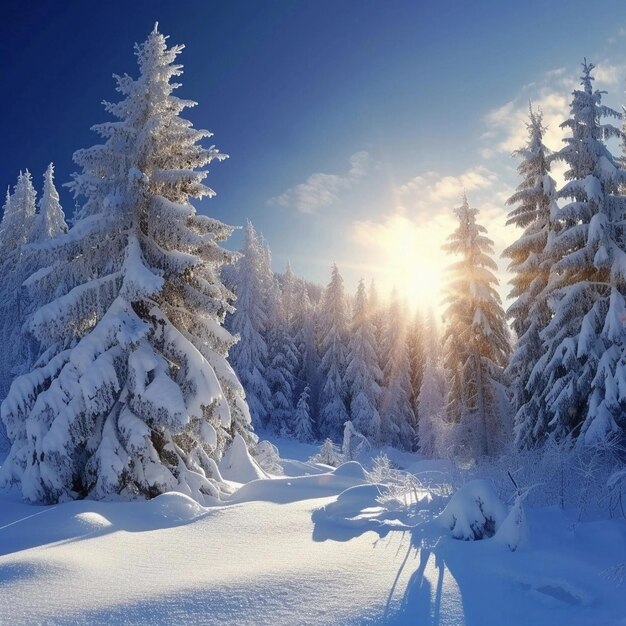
(474, 512)
(237, 465)
(351, 469)
(174, 507)
(512, 532)
(356, 508)
(92, 521)
(283, 490)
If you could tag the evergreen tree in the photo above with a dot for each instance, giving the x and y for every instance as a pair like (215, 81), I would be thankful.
(133, 394)
(363, 376)
(418, 356)
(250, 355)
(377, 315)
(19, 213)
(17, 220)
(333, 331)
(398, 423)
(583, 370)
(534, 209)
(303, 424)
(50, 220)
(283, 366)
(431, 407)
(306, 342)
(476, 338)
(289, 290)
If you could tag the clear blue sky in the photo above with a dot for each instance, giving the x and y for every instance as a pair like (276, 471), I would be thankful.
(291, 89)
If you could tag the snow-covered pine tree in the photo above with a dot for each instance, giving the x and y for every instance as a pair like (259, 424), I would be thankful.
(328, 454)
(305, 326)
(289, 291)
(476, 339)
(283, 366)
(48, 223)
(333, 327)
(250, 355)
(418, 356)
(398, 423)
(377, 315)
(363, 376)
(534, 210)
(431, 408)
(133, 394)
(583, 369)
(50, 219)
(19, 213)
(303, 424)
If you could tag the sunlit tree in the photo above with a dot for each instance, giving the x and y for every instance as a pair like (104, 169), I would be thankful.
(476, 343)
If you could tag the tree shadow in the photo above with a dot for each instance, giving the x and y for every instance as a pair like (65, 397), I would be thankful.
(422, 594)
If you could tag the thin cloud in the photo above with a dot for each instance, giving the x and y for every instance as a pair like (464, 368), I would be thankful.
(320, 189)
(505, 126)
(432, 190)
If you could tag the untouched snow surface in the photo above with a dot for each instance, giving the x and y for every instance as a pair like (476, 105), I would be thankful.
(323, 548)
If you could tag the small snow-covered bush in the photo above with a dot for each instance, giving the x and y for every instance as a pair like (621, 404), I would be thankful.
(474, 512)
(403, 487)
(267, 456)
(559, 473)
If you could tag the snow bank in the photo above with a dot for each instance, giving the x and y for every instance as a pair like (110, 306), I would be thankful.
(474, 512)
(283, 490)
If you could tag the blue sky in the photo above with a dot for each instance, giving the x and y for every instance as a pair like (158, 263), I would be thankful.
(352, 126)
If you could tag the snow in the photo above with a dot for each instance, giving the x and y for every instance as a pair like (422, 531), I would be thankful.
(323, 548)
(237, 465)
(474, 511)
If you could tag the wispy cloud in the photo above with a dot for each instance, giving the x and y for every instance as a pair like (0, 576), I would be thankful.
(322, 189)
(505, 126)
(433, 191)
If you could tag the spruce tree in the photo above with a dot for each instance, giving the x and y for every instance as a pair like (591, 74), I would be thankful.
(398, 423)
(363, 376)
(583, 370)
(476, 345)
(250, 355)
(333, 328)
(133, 394)
(19, 213)
(431, 408)
(283, 366)
(418, 356)
(534, 210)
(50, 219)
(16, 266)
(303, 424)
(305, 325)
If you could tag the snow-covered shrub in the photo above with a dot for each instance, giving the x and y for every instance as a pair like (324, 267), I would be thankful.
(266, 454)
(474, 512)
(402, 488)
(557, 474)
(382, 470)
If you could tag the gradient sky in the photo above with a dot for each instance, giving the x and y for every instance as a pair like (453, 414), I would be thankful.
(352, 126)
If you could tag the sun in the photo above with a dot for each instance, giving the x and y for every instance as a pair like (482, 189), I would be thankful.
(413, 260)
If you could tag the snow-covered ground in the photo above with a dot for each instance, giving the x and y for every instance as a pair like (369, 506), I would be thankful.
(316, 549)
